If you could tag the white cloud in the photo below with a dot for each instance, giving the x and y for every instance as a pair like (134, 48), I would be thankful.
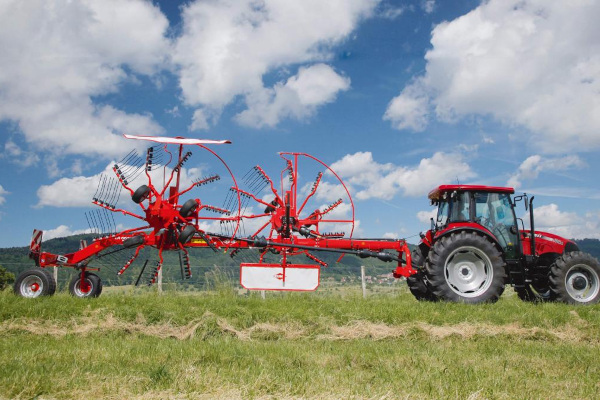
(410, 109)
(428, 6)
(298, 98)
(569, 225)
(533, 63)
(3, 194)
(391, 235)
(384, 181)
(425, 216)
(199, 121)
(63, 231)
(19, 156)
(79, 190)
(58, 55)
(390, 12)
(531, 168)
(227, 47)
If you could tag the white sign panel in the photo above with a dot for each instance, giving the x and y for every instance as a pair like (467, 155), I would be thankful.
(276, 277)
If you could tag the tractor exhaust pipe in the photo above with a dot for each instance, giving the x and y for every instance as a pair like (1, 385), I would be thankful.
(532, 226)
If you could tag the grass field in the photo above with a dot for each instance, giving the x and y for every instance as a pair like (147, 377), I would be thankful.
(323, 345)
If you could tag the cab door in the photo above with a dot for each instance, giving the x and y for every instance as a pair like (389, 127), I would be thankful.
(495, 212)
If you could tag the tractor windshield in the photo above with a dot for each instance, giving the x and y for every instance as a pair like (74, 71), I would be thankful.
(454, 209)
(495, 212)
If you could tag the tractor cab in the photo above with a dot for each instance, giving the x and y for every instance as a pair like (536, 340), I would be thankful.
(481, 208)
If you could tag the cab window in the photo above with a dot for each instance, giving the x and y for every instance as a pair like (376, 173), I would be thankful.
(459, 208)
(494, 211)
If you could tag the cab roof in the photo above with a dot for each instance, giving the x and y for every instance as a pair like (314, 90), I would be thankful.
(436, 193)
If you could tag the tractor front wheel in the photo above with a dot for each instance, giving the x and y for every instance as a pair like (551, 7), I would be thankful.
(466, 267)
(575, 278)
(34, 283)
(91, 287)
(417, 283)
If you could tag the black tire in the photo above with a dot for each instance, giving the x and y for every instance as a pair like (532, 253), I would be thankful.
(575, 278)
(531, 295)
(466, 267)
(186, 234)
(93, 281)
(140, 194)
(34, 283)
(188, 208)
(417, 283)
(133, 241)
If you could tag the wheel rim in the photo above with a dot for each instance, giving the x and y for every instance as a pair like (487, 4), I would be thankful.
(469, 271)
(582, 283)
(77, 291)
(32, 286)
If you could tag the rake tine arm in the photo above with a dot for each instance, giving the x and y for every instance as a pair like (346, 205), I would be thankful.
(131, 260)
(124, 212)
(259, 200)
(312, 192)
(122, 179)
(197, 183)
(264, 174)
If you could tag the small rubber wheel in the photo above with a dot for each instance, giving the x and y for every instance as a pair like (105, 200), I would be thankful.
(575, 278)
(417, 283)
(140, 194)
(271, 208)
(34, 283)
(531, 295)
(186, 234)
(466, 267)
(188, 208)
(133, 241)
(93, 289)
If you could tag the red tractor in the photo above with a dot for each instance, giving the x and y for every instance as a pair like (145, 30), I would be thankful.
(475, 247)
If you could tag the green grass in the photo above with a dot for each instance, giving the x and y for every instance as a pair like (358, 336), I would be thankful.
(321, 345)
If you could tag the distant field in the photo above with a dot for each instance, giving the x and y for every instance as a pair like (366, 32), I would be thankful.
(322, 345)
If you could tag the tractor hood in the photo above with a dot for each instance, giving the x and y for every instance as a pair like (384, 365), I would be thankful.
(546, 242)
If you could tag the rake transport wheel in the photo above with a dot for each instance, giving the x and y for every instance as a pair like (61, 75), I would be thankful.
(140, 194)
(417, 283)
(532, 295)
(34, 283)
(93, 286)
(575, 278)
(466, 267)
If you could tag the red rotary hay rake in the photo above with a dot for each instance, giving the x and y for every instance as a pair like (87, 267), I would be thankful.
(275, 220)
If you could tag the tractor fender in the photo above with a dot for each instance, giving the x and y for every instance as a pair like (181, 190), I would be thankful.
(469, 228)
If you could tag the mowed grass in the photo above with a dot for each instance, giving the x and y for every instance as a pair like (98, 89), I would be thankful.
(320, 345)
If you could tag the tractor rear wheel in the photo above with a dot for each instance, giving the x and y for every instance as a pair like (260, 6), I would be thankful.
(466, 267)
(417, 283)
(93, 288)
(575, 278)
(34, 283)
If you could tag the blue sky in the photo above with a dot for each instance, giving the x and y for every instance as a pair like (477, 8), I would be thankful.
(398, 96)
